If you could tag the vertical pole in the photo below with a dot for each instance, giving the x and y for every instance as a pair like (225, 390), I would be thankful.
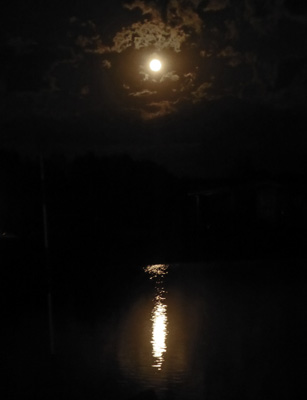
(197, 209)
(47, 261)
(197, 238)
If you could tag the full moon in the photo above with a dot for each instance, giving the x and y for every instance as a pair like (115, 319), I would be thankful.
(155, 65)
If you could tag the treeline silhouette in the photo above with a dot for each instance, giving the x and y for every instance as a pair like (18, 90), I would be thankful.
(113, 206)
(116, 209)
(109, 216)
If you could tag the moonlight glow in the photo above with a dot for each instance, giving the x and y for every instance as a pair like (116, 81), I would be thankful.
(155, 65)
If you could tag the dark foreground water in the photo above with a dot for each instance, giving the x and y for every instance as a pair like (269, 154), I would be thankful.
(220, 330)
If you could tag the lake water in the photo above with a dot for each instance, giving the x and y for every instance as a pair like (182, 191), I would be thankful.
(220, 330)
(202, 331)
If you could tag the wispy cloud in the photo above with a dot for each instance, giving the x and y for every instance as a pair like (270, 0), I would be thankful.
(201, 92)
(171, 75)
(143, 93)
(184, 14)
(106, 64)
(233, 57)
(157, 109)
(146, 8)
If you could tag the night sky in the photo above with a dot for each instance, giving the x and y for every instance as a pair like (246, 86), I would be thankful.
(232, 89)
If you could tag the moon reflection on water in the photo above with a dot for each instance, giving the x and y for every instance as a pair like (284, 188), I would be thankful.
(158, 315)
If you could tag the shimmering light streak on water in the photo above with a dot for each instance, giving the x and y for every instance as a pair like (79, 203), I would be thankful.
(158, 315)
(157, 270)
(159, 319)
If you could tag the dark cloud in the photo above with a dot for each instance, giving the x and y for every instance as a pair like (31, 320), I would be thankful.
(296, 8)
(263, 15)
(216, 5)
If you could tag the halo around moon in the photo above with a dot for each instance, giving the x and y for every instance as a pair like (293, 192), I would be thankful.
(155, 65)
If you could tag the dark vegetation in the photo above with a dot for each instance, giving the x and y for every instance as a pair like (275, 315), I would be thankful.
(105, 213)
(115, 209)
